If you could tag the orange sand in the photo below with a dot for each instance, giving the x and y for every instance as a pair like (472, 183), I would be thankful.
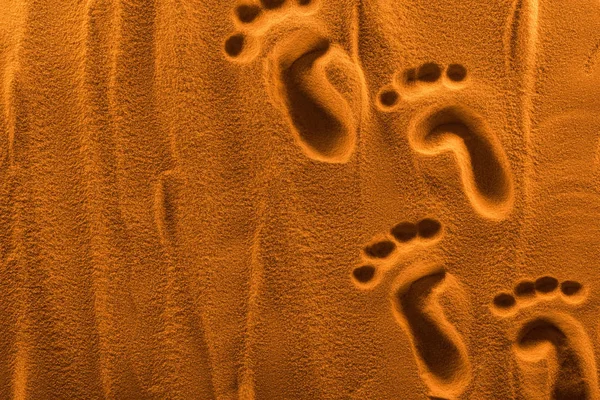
(299, 199)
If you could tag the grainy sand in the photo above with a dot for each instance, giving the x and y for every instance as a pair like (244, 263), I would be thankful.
(299, 199)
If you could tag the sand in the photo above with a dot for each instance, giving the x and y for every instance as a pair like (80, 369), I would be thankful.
(299, 199)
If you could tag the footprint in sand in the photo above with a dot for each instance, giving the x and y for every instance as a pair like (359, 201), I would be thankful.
(443, 124)
(322, 120)
(439, 351)
(312, 80)
(552, 350)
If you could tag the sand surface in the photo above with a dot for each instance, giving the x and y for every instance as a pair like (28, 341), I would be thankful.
(299, 199)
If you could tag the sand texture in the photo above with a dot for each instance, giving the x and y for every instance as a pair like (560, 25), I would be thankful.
(299, 199)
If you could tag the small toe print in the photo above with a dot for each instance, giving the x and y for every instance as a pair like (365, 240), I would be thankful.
(388, 98)
(428, 228)
(234, 45)
(364, 274)
(456, 72)
(380, 249)
(429, 72)
(304, 2)
(525, 289)
(570, 288)
(404, 231)
(546, 284)
(247, 13)
(504, 301)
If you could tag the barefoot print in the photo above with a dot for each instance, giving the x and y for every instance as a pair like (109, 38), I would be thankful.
(311, 79)
(320, 117)
(446, 125)
(438, 348)
(552, 350)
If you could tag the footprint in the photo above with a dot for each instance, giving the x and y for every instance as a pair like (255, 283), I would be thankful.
(483, 164)
(321, 119)
(315, 83)
(438, 348)
(557, 338)
(441, 355)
